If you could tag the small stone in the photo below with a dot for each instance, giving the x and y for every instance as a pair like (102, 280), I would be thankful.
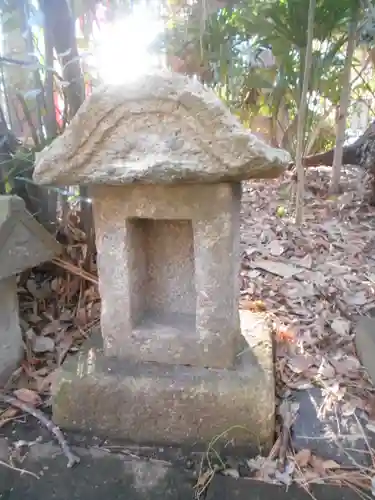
(341, 326)
(275, 248)
(42, 344)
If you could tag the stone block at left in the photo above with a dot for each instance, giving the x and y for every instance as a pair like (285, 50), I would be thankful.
(24, 243)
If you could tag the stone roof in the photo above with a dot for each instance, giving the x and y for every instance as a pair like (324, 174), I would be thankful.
(24, 243)
(163, 128)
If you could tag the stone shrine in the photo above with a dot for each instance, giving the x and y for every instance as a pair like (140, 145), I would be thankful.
(24, 243)
(175, 361)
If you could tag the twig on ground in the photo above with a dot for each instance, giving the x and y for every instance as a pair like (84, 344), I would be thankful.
(21, 471)
(70, 267)
(72, 459)
(287, 415)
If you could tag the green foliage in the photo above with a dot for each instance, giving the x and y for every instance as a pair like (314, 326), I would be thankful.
(231, 44)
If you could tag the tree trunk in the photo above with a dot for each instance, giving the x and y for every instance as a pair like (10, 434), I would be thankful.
(302, 114)
(353, 154)
(59, 19)
(344, 104)
(61, 26)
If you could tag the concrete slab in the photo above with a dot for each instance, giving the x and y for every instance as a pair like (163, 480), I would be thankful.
(118, 476)
(165, 404)
(99, 475)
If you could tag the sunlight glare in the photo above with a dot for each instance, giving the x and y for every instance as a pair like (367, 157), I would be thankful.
(123, 49)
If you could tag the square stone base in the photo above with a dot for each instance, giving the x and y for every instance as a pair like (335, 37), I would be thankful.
(154, 403)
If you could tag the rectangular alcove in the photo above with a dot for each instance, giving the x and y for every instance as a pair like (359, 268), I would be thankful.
(162, 281)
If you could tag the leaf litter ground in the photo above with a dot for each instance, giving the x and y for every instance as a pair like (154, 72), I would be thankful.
(311, 282)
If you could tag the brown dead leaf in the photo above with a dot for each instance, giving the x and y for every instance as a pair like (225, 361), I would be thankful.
(317, 465)
(310, 476)
(302, 458)
(253, 305)
(300, 363)
(204, 480)
(277, 268)
(28, 396)
(346, 365)
(44, 384)
(341, 326)
(283, 334)
(66, 316)
(81, 317)
(275, 248)
(8, 415)
(51, 328)
(64, 347)
(34, 318)
(330, 464)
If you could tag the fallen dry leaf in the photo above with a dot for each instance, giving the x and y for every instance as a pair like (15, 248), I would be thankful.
(8, 415)
(28, 396)
(330, 464)
(302, 458)
(253, 305)
(231, 473)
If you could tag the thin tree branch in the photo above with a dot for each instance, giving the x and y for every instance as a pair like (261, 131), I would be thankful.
(72, 459)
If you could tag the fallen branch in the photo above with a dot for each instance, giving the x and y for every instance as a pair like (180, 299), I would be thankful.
(72, 459)
(17, 469)
(287, 416)
(71, 268)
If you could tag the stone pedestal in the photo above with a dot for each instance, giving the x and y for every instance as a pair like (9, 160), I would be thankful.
(175, 364)
(167, 404)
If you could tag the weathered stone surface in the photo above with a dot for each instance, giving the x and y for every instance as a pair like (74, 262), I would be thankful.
(169, 404)
(365, 344)
(168, 262)
(24, 243)
(100, 474)
(11, 345)
(124, 473)
(163, 128)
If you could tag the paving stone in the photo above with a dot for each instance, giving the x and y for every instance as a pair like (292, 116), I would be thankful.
(118, 476)
(99, 475)
(365, 344)
(225, 488)
(336, 434)
(118, 470)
